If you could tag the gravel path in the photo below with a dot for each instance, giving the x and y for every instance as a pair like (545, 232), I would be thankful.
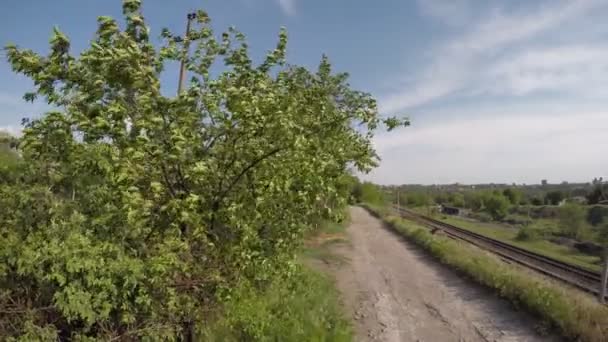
(397, 293)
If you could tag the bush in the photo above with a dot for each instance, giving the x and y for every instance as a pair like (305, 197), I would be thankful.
(572, 220)
(513, 195)
(554, 197)
(597, 214)
(528, 234)
(303, 307)
(481, 216)
(371, 193)
(417, 199)
(136, 211)
(456, 199)
(517, 220)
(497, 206)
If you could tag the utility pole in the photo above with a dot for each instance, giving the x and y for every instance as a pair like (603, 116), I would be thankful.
(186, 40)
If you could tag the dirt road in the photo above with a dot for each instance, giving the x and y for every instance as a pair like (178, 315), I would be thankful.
(397, 293)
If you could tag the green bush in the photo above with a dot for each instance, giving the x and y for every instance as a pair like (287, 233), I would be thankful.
(597, 214)
(572, 221)
(528, 234)
(417, 199)
(371, 193)
(303, 307)
(497, 206)
(136, 211)
(456, 199)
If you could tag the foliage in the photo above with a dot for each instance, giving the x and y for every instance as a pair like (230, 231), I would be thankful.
(554, 197)
(417, 199)
(474, 200)
(370, 193)
(496, 205)
(10, 162)
(528, 233)
(536, 201)
(571, 218)
(456, 199)
(513, 195)
(303, 307)
(137, 214)
(577, 316)
(597, 214)
(598, 193)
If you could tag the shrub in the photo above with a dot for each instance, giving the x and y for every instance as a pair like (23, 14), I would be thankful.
(597, 214)
(371, 193)
(303, 307)
(554, 197)
(497, 206)
(528, 234)
(136, 211)
(572, 220)
(481, 216)
(417, 199)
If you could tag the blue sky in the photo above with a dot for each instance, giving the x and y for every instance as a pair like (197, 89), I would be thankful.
(498, 91)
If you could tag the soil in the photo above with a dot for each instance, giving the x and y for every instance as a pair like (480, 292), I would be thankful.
(395, 292)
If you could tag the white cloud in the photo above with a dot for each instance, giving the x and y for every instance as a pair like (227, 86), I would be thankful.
(463, 61)
(522, 148)
(573, 69)
(288, 6)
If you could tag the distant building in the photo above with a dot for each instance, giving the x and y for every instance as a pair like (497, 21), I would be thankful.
(543, 182)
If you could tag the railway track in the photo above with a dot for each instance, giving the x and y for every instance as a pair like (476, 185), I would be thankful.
(576, 276)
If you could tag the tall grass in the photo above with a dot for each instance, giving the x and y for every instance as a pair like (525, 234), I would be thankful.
(576, 315)
(301, 307)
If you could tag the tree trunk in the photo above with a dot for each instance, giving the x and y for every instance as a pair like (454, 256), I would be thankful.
(602, 292)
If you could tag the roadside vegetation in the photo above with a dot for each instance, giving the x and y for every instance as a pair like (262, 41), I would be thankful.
(130, 215)
(575, 315)
(563, 221)
(303, 306)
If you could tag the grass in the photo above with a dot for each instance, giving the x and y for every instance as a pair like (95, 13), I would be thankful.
(577, 316)
(301, 307)
(508, 235)
(318, 245)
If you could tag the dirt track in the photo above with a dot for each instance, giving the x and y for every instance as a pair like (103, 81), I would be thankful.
(397, 293)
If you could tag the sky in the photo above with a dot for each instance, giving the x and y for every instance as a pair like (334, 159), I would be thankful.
(510, 91)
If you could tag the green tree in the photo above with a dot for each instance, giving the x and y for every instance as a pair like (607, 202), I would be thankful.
(571, 218)
(417, 199)
(496, 205)
(554, 197)
(513, 195)
(474, 200)
(598, 193)
(138, 212)
(536, 201)
(456, 199)
(597, 214)
(10, 162)
(371, 193)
